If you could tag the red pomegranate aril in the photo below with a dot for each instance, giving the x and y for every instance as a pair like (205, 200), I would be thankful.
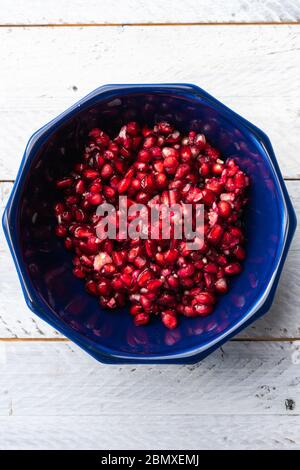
(186, 271)
(170, 152)
(200, 140)
(119, 257)
(149, 142)
(68, 243)
(221, 286)
(95, 199)
(211, 268)
(101, 260)
(61, 231)
(147, 183)
(224, 209)
(144, 156)
(209, 280)
(173, 282)
(232, 269)
(189, 311)
(206, 298)
(217, 168)
(132, 128)
(153, 166)
(146, 303)
(171, 162)
(240, 180)
(208, 197)
(171, 256)
(107, 171)
(169, 319)
(156, 152)
(142, 197)
(104, 288)
(108, 270)
(80, 187)
(185, 154)
(215, 234)
(154, 285)
(140, 262)
(109, 192)
(202, 309)
(91, 287)
(135, 309)
(81, 232)
(161, 180)
(90, 174)
(124, 185)
(141, 319)
(144, 277)
(165, 128)
(64, 183)
(239, 252)
(79, 272)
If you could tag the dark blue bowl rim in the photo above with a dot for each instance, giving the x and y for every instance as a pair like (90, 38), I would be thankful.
(109, 355)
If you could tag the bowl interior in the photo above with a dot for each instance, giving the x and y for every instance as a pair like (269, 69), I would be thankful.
(48, 265)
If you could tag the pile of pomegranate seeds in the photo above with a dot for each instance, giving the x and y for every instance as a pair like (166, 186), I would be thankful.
(159, 277)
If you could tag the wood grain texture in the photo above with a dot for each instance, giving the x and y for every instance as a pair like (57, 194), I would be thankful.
(149, 433)
(154, 11)
(243, 396)
(17, 321)
(252, 69)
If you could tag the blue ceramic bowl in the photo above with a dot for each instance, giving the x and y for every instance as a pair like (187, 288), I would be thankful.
(44, 266)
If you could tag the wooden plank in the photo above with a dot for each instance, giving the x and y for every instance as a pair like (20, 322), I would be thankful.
(135, 11)
(54, 396)
(149, 432)
(251, 68)
(59, 379)
(16, 320)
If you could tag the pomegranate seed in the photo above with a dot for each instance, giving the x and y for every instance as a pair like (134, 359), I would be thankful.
(153, 166)
(144, 277)
(141, 319)
(161, 180)
(203, 310)
(100, 260)
(124, 185)
(64, 183)
(95, 199)
(221, 286)
(233, 269)
(91, 287)
(61, 231)
(154, 285)
(149, 142)
(170, 152)
(169, 319)
(224, 209)
(135, 309)
(78, 272)
(171, 256)
(90, 174)
(215, 234)
(239, 252)
(107, 171)
(104, 288)
(165, 128)
(186, 271)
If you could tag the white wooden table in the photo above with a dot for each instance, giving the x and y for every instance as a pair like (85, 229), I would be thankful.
(245, 395)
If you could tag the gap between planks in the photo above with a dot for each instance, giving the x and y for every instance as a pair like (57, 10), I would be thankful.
(121, 25)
